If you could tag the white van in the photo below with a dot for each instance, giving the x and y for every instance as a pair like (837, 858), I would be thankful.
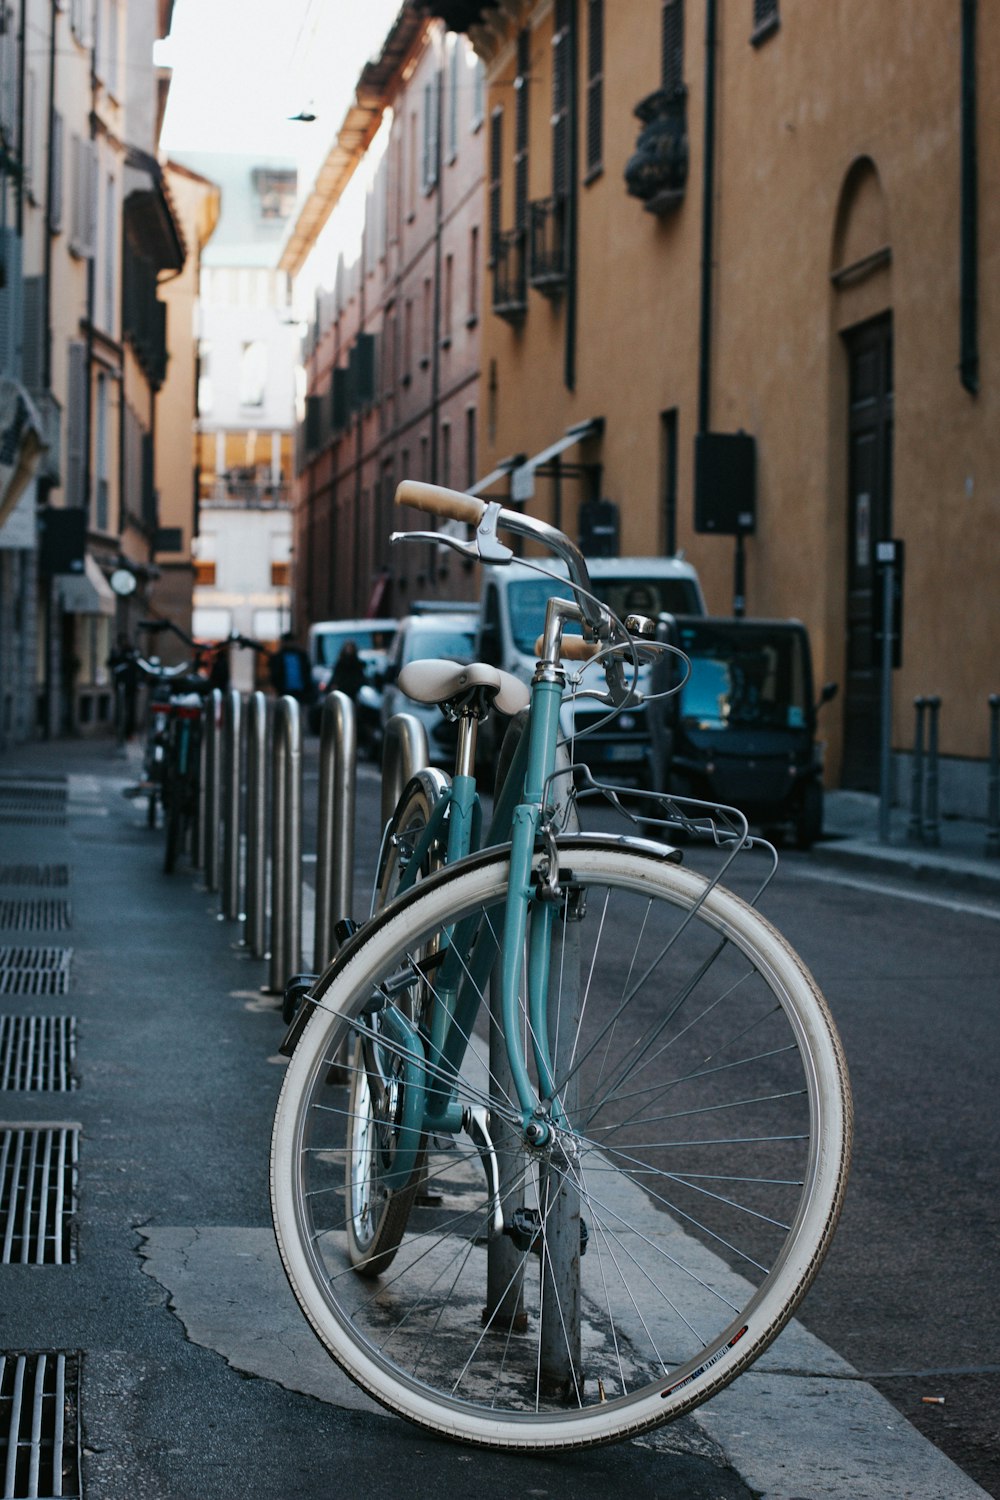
(511, 617)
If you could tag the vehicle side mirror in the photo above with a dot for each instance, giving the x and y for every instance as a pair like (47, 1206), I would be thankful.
(830, 690)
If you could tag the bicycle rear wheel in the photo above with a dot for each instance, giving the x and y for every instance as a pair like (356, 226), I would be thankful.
(703, 1147)
(377, 1211)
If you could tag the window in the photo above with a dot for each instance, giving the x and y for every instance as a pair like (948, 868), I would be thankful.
(56, 201)
(407, 342)
(446, 454)
(595, 87)
(110, 252)
(253, 373)
(83, 231)
(668, 479)
(765, 20)
(432, 92)
(101, 455)
(496, 181)
(473, 309)
(521, 130)
(672, 43)
(449, 293)
(453, 76)
(427, 332)
(478, 89)
(561, 49)
(470, 447)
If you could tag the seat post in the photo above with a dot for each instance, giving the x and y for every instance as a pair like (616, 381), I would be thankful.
(468, 735)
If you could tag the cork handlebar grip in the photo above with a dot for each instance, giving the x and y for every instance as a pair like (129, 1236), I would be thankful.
(574, 648)
(440, 502)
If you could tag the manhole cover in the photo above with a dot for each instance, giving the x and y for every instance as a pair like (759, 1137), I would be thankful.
(40, 1425)
(34, 916)
(37, 1053)
(34, 971)
(38, 1168)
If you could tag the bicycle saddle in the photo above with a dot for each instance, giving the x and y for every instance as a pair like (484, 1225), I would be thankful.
(439, 681)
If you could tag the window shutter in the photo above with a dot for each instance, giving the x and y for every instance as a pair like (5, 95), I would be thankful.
(76, 425)
(673, 45)
(33, 351)
(496, 168)
(56, 201)
(595, 85)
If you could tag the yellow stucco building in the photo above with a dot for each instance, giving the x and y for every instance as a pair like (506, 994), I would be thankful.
(769, 217)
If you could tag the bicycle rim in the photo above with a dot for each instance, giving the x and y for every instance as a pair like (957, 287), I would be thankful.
(704, 1149)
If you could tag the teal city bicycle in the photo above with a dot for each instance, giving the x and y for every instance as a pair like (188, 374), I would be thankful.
(591, 1140)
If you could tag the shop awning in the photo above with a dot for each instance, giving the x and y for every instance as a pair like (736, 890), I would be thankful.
(524, 468)
(86, 593)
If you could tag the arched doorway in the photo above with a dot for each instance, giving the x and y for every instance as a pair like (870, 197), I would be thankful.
(861, 278)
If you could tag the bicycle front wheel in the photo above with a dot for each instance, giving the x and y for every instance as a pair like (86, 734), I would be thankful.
(661, 1236)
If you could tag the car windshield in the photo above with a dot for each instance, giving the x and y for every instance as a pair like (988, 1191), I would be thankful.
(638, 595)
(744, 677)
(451, 642)
(330, 643)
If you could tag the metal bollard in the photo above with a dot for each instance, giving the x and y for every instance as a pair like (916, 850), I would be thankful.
(338, 763)
(213, 786)
(232, 787)
(932, 820)
(404, 752)
(993, 781)
(286, 846)
(914, 832)
(198, 837)
(255, 920)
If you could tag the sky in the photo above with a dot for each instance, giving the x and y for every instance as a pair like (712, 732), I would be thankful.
(236, 80)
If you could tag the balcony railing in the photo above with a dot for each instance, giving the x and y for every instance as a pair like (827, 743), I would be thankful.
(510, 292)
(547, 258)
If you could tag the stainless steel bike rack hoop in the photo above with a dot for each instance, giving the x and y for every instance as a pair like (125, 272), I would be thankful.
(255, 921)
(338, 761)
(286, 846)
(212, 714)
(404, 753)
(232, 782)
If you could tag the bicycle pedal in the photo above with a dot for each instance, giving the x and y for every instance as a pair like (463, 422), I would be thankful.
(525, 1229)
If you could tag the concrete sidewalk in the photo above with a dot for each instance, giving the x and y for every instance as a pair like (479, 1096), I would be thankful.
(961, 859)
(801, 1423)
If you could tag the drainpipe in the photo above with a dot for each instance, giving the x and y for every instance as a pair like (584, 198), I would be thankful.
(707, 225)
(969, 333)
(49, 189)
(572, 96)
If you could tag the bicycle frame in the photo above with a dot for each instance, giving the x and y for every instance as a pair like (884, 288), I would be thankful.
(433, 1059)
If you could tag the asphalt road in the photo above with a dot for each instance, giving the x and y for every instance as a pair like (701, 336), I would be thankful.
(907, 1293)
(178, 1079)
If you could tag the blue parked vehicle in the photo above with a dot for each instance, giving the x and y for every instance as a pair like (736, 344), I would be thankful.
(742, 729)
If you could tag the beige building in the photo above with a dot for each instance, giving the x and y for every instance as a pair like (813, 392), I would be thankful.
(767, 218)
(196, 203)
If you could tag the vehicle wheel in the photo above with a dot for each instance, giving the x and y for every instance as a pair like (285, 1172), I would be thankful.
(704, 1140)
(809, 815)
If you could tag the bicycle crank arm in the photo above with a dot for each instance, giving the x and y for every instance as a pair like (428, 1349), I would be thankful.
(476, 1124)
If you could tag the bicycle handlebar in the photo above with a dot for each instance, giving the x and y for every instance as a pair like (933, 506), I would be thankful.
(489, 516)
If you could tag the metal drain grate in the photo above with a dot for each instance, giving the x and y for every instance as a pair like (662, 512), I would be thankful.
(38, 1169)
(38, 1053)
(34, 916)
(34, 971)
(32, 802)
(40, 1426)
(34, 875)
